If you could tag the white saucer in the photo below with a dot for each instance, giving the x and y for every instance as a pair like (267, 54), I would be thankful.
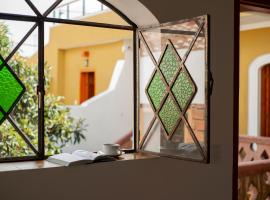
(114, 155)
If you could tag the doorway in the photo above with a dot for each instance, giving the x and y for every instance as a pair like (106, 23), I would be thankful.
(254, 100)
(87, 86)
(265, 100)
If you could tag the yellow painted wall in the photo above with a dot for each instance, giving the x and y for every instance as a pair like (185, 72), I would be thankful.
(65, 48)
(253, 43)
(102, 61)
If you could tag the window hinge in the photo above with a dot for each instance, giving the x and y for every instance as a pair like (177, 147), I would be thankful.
(211, 83)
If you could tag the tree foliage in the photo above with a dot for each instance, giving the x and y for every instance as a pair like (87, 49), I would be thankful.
(60, 127)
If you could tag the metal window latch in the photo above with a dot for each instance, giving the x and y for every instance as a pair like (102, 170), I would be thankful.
(39, 94)
(211, 83)
(39, 99)
(37, 89)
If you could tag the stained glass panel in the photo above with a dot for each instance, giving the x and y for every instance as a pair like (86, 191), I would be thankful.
(156, 90)
(1, 116)
(10, 88)
(183, 89)
(169, 115)
(169, 64)
(178, 51)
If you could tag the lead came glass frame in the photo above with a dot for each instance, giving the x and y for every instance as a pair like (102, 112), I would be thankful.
(171, 88)
(39, 19)
(11, 89)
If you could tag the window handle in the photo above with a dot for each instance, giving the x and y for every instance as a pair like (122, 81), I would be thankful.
(39, 94)
(211, 83)
(39, 100)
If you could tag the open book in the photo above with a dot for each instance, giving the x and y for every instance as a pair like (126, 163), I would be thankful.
(79, 157)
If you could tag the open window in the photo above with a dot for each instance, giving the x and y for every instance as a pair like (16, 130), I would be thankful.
(174, 88)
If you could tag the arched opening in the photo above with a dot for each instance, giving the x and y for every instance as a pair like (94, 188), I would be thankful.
(265, 101)
(254, 94)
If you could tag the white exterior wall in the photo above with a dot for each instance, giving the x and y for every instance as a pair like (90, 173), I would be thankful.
(109, 115)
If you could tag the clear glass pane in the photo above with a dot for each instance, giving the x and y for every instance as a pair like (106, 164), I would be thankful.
(42, 5)
(22, 72)
(12, 144)
(154, 43)
(15, 7)
(195, 64)
(89, 88)
(87, 10)
(180, 145)
(12, 33)
(146, 113)
(180, 34)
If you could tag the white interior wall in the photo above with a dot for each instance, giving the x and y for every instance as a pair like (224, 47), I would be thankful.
(160, 178)
(139, 14)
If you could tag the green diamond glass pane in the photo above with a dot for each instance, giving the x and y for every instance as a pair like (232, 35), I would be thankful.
(11, 88)
(156, 90)
(1, 116)
(183, 89)
(169, 64)
(169, 115)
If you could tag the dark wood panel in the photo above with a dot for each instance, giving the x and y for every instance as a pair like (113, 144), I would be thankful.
(259, 3)
(255, 5)
(265, 101)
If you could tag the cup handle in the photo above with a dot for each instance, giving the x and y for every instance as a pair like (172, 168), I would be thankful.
(120, 152)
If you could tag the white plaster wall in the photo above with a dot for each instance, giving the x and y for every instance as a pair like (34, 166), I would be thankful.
(254, 94)
(109, 115)
(139, 14)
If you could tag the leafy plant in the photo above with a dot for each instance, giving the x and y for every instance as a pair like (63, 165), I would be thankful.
(60, 127)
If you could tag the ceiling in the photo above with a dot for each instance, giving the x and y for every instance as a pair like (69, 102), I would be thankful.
(254, 20)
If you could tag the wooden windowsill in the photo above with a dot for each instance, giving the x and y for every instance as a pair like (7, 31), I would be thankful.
(43, 164)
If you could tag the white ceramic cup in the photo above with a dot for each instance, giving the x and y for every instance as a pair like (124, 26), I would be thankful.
(111, 149)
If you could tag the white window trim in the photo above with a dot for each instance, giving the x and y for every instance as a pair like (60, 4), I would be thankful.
(254, 93)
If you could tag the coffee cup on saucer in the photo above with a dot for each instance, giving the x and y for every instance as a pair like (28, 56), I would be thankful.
(111, 149)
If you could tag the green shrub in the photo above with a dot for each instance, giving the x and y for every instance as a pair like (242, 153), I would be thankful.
(60, 127)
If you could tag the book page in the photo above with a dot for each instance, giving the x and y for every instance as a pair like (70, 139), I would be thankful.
(66, 159)
(86, 154)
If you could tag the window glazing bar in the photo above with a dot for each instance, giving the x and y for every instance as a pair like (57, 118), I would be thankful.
(85, 23)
